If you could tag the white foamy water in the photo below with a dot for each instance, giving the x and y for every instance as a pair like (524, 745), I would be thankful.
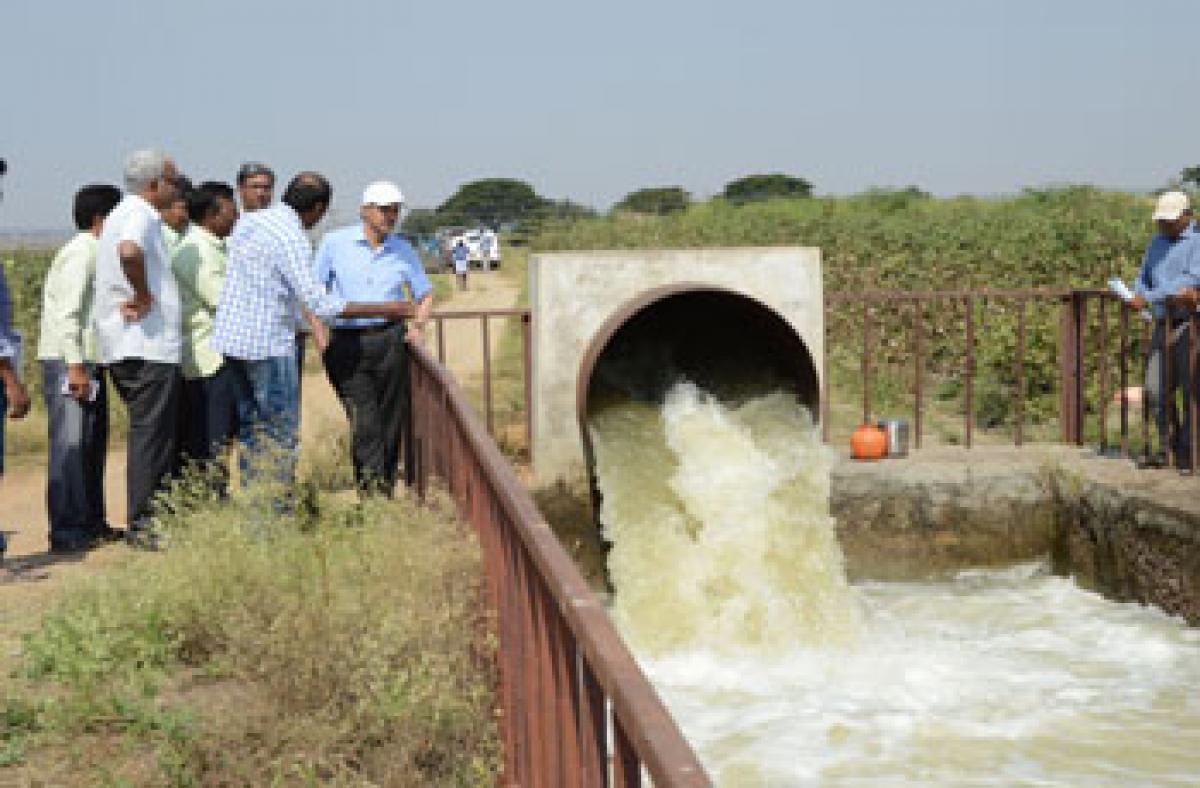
(729, 586)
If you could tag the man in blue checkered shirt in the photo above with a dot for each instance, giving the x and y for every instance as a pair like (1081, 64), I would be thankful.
(270, 274)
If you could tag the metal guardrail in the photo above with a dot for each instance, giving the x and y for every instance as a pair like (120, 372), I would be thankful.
(484, 316)
(1080, 321)
(917, 305)
(566, 679)
(1097, 335)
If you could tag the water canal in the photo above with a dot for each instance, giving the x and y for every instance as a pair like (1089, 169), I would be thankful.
(730, 588)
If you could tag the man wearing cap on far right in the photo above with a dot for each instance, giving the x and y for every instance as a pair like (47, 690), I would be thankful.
(1170, 267)
(366, 358)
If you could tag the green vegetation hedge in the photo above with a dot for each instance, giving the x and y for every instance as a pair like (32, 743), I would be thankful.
(905, 240)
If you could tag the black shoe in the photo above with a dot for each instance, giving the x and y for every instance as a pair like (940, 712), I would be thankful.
(143, 539)
(1153, 461)
(72, 542)
(106, 534)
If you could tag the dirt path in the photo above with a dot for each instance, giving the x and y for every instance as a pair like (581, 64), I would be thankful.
(464, 347)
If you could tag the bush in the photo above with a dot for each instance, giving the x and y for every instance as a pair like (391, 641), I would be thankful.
(260, 648)
(905, 240)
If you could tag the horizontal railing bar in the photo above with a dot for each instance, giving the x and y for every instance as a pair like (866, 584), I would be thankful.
(476, 313)
(913, 295)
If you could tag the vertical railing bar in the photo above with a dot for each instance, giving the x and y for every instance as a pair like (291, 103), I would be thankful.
(1145, 345)
(441, 338)
(1081, 379)
(567, 686)
(1019, 404)
(918, 342)
(866, 362)
(1123, 360)
(593, 727)
(1189, 392)
(627, 771)
(531, 670)
(1102, 373)
(969, 406)
(825, 377)
(487, 373)
(1167, 396)
(527, 359)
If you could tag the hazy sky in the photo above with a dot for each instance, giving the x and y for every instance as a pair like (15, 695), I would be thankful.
(592, 100)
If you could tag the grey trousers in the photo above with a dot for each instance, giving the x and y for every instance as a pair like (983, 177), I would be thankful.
(150, 390)
(1162, 403)
(78, 437)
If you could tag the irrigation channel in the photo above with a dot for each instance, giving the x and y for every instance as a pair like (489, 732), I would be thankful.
(730, 589)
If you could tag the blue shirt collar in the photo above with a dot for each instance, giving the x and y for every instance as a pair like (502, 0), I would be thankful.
(360, 237)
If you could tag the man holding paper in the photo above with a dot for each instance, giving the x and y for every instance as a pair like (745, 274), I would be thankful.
(1170, 267)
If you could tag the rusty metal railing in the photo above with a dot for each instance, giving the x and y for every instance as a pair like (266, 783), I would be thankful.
(914, 310)
(485, 318)
(567, 683)
(1085, 317)
(1100, 347)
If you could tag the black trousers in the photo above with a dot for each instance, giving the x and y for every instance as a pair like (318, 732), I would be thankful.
(369, 372)
(208, 419)
(150, 390)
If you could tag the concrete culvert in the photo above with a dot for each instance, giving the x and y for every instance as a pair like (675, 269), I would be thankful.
(735, 322)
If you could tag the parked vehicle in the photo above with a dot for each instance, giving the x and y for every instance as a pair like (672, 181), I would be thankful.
(483, 246)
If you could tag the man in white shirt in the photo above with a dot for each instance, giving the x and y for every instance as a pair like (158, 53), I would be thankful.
(136, 317)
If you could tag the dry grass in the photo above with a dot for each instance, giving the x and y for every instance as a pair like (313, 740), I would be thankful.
(342, 646)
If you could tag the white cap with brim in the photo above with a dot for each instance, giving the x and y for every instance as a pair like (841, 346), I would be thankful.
(382, 193)
(1170, 206)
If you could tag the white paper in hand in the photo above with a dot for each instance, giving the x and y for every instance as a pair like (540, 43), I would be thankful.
(1117, 286)
(93, 389)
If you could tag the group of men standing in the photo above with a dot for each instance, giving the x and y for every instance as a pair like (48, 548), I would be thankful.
(196, 321)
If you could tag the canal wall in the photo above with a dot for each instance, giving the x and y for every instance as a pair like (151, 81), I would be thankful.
(1132, 535)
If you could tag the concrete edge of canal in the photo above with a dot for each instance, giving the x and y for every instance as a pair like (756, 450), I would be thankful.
(1132, 535)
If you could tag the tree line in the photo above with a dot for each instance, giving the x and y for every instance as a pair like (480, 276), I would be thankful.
(508, 202)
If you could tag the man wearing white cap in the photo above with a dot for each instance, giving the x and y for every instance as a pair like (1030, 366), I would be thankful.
(366, 358)
(269, 277)
(1170, 267)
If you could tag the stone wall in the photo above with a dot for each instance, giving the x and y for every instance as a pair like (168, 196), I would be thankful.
(1130, 535)
(906, 520)
(1126, 546)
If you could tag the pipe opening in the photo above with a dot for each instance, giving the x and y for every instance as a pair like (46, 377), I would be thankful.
(728, 344)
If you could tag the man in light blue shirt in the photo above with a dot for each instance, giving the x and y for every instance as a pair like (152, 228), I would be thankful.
(366, 359)
(1170, 267)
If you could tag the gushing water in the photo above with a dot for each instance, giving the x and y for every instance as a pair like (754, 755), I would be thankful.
(717, 536)
(730, 587)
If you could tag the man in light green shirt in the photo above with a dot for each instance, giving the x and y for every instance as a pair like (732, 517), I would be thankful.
(208, 412)
(74, 392)
(175, 215)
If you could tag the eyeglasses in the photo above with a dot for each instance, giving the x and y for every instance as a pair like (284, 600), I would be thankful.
(392, 208)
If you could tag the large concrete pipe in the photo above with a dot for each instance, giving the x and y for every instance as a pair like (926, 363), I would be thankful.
(643, 317)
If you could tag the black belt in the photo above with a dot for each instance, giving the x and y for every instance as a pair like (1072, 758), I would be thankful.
(361, 330)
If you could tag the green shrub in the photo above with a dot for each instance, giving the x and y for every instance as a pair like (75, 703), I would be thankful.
(905, 240)
(344, 646)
